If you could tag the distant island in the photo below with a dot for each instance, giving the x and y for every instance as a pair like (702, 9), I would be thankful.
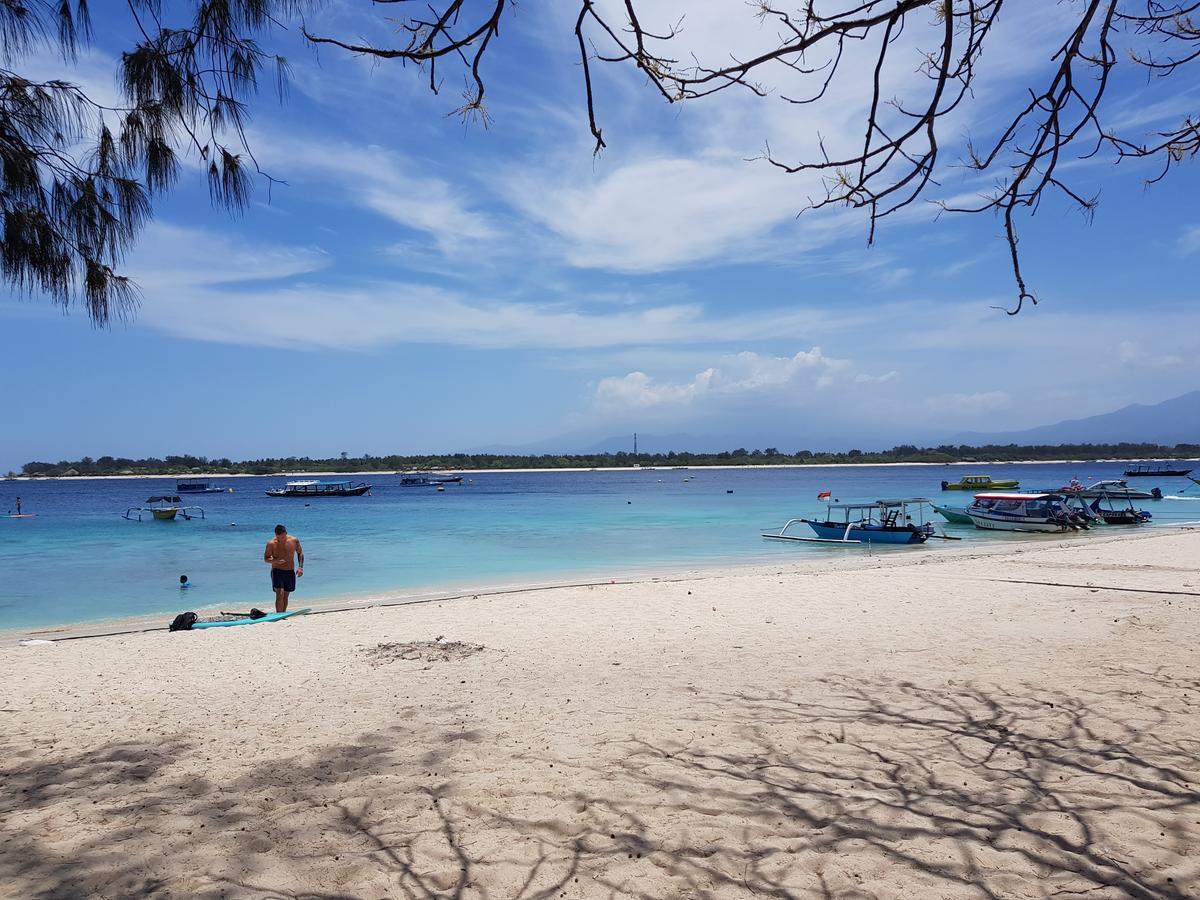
(905, 453)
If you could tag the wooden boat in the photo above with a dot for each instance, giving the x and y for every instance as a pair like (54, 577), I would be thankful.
(1157, 471)
(956, 514)
(311, 489)
(1023, 512)
(881, 522)
(164, 508)
(197, 487)
(428, 479)
(978, 483)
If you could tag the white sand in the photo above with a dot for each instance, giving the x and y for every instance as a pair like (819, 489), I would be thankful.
(915, 726)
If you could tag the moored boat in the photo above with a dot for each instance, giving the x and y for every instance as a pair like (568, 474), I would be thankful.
(955, 514)
(320, 489)
(1112, 487)
(979, 483)
(1157, 470)
(881, 522)
(1023, 512)
(428, 479)
(1125, 514)
(202, 486)
(164, 508)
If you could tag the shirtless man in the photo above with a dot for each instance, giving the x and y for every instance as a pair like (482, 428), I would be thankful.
(279, 553)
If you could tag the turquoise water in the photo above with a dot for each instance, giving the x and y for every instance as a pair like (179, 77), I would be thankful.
(79, 561)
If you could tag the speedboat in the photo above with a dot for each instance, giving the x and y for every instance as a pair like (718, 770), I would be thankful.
(1112, 488)
(1023, 512)
(1125, 514)
(164, 508)
(881, 522)
(978, 483)
(320, 489)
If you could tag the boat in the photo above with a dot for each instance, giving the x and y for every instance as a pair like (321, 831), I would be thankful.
(164, 508)
(1041, 512)
(979, 483)
(1126, 514)
(428, 479)
(197, 487)
(881, 522)
(956, 514)
(1113, 488)
(320, 489)
(1157, 470)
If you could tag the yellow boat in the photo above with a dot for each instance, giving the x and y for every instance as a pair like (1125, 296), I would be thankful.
(978, 483)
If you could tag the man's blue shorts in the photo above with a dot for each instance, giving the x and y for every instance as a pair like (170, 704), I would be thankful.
(283, 578)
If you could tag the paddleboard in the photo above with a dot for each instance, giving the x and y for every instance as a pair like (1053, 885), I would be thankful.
(269, 617)
(29, 516)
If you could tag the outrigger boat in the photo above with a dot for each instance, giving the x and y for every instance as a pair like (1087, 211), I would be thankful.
(978, 483)
(320, 489)
(881, 522)
(163, 507)
(1043, 512)
(1158, 471)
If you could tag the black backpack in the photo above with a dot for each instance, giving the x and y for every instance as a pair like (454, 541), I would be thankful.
(183, 622)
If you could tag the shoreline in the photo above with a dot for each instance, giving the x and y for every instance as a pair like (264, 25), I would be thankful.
(1002, 722)
(645, 575)
(665, 468)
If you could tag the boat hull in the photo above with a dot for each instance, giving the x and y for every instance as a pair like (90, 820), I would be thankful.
(874, 535)
(346, 492)
(989, 486)
(164, 515)
(956, 514)
(1157, 473)
(1017, 523)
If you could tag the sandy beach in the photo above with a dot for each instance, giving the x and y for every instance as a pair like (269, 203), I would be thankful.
(1016, 721)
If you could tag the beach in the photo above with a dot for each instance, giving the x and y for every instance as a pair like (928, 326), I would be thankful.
(1011, 720)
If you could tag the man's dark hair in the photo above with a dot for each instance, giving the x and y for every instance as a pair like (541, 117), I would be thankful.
(279, 529)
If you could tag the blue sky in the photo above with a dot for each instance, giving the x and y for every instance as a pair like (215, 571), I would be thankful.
(421, 285)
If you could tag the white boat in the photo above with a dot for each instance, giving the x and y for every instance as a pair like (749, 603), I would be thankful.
(428, 479)
(1114, 489)
(1023, 512)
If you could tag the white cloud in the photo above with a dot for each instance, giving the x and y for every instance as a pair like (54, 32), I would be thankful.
(1189, 241)
(737, 375)
(1131, 353)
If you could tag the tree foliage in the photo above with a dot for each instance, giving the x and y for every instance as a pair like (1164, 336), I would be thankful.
(78, 175)
(906, 453)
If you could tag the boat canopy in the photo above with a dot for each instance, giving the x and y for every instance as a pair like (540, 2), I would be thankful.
(163, 497)
(878, 504)
(1010, 496)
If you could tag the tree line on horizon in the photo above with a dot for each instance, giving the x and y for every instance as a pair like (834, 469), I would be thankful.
(909, 453)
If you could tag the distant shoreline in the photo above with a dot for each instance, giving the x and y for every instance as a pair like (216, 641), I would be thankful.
(212, 476)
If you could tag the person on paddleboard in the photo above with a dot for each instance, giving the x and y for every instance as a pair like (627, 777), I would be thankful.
(18, 506)
(283, 553)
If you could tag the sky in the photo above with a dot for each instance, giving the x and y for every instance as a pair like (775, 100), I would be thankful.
(423, 285)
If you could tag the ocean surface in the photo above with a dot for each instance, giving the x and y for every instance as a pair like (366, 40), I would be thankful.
(78, 560)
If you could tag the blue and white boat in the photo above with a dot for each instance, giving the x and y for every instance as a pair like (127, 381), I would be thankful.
(428, 479)
(320, 489)
(881, 522)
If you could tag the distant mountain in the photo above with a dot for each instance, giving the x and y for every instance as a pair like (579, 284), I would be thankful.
(1175, 421)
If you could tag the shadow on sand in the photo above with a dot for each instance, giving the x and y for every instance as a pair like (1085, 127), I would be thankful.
(849, 788)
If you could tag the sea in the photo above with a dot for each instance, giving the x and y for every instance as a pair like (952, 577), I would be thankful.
(76, 560)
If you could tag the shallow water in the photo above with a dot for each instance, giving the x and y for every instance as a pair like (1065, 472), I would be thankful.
(78, 560)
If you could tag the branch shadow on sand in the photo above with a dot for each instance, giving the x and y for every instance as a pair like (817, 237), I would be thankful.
(848, 788)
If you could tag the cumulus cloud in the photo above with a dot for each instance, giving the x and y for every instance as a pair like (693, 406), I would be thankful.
(739, 375)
